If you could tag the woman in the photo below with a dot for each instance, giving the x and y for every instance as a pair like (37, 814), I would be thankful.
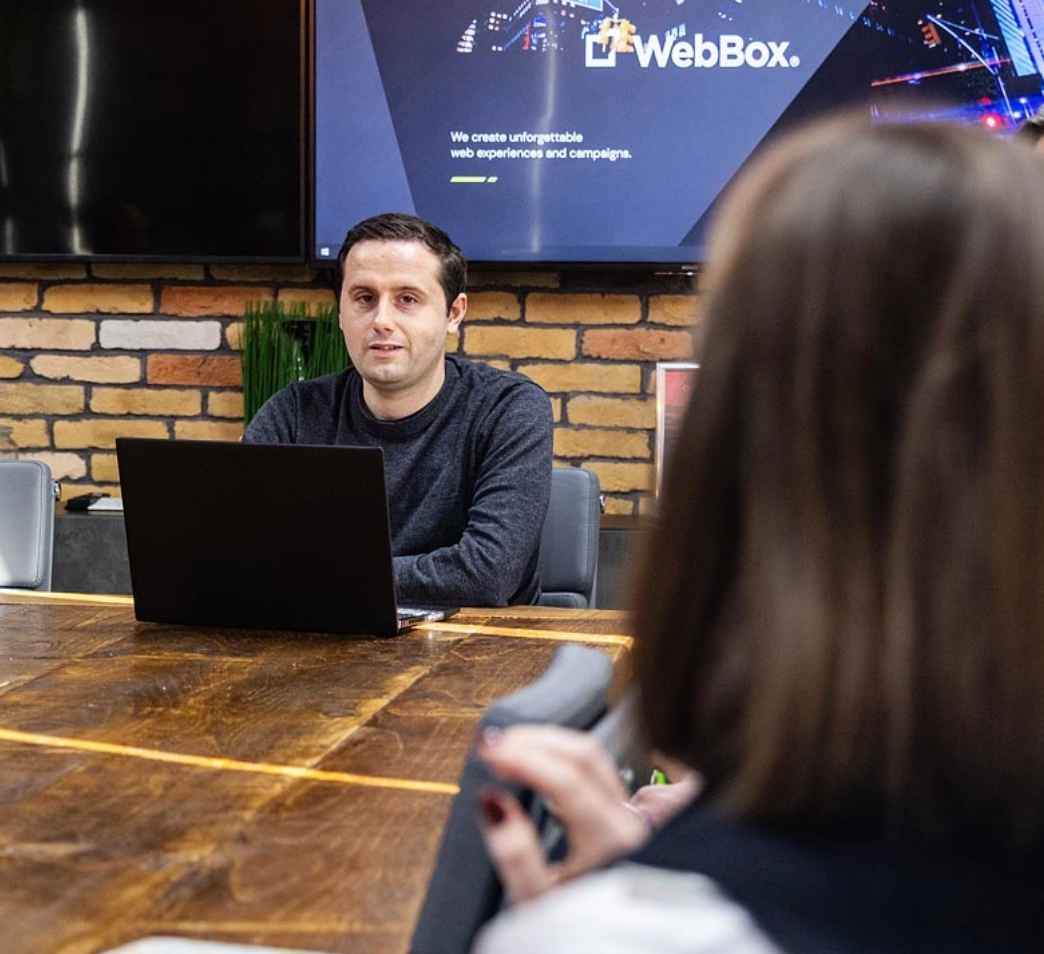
(1030, 132)
(839, 618)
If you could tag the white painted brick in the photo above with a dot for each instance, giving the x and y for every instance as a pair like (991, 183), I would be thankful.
(63, 466)
(161, 335)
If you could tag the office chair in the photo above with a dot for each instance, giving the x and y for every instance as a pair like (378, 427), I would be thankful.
(569, 542)
(464, 891)
(26, 524)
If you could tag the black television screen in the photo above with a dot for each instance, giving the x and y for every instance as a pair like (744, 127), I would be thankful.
(587, 132)
(152, 129)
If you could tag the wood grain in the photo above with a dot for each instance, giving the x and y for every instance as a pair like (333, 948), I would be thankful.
(256, 787)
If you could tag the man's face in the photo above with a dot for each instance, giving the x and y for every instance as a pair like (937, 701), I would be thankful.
(394, 319)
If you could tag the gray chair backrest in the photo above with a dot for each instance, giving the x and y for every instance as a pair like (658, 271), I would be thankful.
(464, 891)
(26, 524)
(569, 542)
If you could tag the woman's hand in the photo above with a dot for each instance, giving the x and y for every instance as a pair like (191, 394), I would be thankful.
(581, 787)
(660, 803)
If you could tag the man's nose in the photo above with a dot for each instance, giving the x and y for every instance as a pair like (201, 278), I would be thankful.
(384, 314)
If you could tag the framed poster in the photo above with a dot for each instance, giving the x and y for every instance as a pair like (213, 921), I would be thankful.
(674, 381)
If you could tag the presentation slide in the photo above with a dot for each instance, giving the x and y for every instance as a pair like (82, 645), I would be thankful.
(583, 131)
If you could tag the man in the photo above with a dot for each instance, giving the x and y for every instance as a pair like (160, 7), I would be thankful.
(467, 448)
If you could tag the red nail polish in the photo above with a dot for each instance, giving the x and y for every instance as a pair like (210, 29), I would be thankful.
(491, 808)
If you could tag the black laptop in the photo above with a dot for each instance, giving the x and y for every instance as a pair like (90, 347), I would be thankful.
(261, 536)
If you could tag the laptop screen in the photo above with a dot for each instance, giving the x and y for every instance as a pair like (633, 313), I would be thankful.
(262, 536)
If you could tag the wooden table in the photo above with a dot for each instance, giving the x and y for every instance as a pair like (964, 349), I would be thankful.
(262, 788)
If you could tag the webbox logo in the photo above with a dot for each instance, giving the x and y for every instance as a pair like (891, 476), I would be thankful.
(729, 51)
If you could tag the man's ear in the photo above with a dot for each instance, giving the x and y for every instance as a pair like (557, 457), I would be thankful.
(456, 312)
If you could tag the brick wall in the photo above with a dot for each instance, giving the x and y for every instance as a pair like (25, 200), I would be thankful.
(90, 352)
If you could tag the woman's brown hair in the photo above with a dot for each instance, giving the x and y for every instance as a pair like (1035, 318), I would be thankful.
(841, 607)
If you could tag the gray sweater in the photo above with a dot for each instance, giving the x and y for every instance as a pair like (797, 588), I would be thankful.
(468, 476)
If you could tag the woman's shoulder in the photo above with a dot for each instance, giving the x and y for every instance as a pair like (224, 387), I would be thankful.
(627, 909)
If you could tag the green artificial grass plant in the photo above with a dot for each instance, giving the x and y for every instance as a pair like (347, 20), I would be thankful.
(284, 343)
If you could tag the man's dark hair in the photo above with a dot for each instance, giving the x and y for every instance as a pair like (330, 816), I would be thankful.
(398, 227)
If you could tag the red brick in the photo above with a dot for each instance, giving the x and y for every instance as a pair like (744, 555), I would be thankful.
(195, 369)
(196, 301)
(637, 344)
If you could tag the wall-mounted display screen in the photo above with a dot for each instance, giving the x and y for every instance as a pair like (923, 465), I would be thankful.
(587, 132)
(152, 129)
